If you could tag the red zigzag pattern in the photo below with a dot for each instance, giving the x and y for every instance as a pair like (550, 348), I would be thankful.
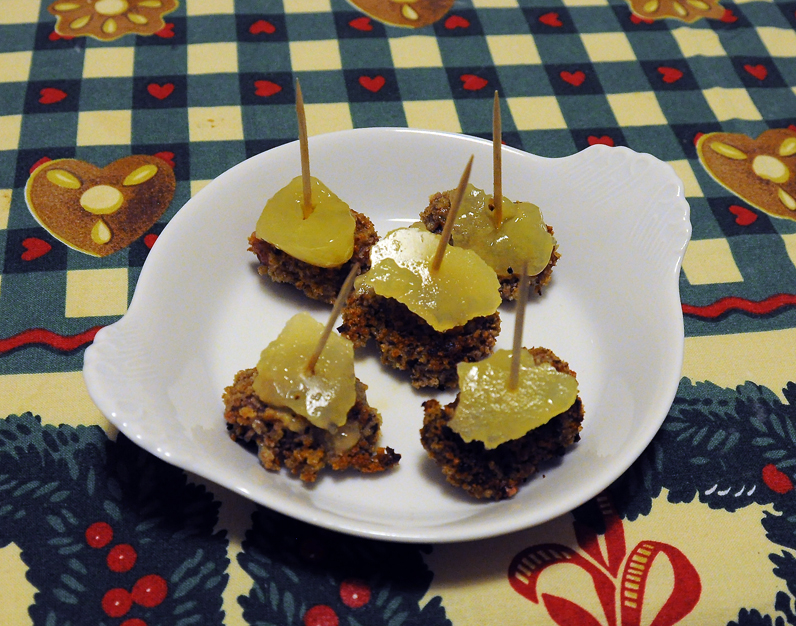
(732, 303)
(41, 336)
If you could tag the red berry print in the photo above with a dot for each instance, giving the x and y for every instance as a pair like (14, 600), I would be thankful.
(321, 615)
(133, 622)
(354, 593)
(150, 590)
(122, 558)
(776, 480)
(99, 535)
(116, 602)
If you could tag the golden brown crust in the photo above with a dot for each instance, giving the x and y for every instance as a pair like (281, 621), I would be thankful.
(318, 283)
(433, 218)
(497, 474)
(408, 342)
(310, 449)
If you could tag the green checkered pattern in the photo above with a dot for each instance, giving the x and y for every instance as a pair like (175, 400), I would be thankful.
(569, 74)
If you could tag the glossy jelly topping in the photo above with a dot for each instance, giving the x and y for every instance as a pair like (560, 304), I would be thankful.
(522, 234)
(324, 239)
(283, 380)
(488, 411)
(463, 288)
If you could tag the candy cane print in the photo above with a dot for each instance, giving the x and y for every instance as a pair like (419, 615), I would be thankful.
(527, 566)
(685, 594)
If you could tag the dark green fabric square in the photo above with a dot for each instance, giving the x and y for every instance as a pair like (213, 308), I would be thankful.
(714, 72)
(17, 37)
(310, 26)
(621, 77)
(595, 19)
(160, 61)
(703, 222)
(654, 45)
(685, 107)
(591, 111)
(323, 86)
(12, 98)
(561, 49)
(275, 121)
(160, 126)
(48, 130)
(656, 140)
(106, 94)
(523, 80)
(264, 57)
(365, 53)
(548, 143)
(423, 83)
(211, 158)
(206, 90)
(475, 117)
(503, 21)
(372, 114)
(464, 51)
(55, 65)
(211, 28)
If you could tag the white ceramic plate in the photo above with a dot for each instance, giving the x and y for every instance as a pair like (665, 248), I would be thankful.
(201, 313)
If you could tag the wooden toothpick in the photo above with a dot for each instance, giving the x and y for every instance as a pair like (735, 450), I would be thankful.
(339, 303)
(306, 206)
(448, 228)
(519, 322)
(497, 160)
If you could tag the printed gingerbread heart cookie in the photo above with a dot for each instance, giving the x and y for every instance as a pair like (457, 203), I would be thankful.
(685, 10)
(110, 19)
(762, 171)
(100, 211)
(407, 13)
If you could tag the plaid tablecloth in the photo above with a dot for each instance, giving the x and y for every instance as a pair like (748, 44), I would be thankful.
(701, 530)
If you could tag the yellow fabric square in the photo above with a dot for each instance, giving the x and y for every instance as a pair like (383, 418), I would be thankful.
(308, 6)
(91, 293)
(432, 115)
(198, 185)
(107, 62)
(536, 113)
(15, 67)
(778, 41)
(495, 4)
(729, 104)
(213, 58)
(710, 261)
(327, 118)
(698, 42)
(586, 3)
(10, 127)
(513, 50)
(608, 47)
(103, 128)
(222, 123)
(310, 56)
(209, 7)
(637, 109)
(19, 12)
(415, 51)
(5, 207)
(685, 172)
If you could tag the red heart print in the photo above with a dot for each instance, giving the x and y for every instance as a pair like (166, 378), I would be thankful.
(456, 21)
(34, 248)
(372, 84)
(51, 95)
(53, 36)
(743, 216)
(39, 163)
(150, 239)
(696, 138)
(167, 32)
(551, 19)
(361, 23)
(262, 26)
(573, 78)
(758, 71)
(640, 20)
(729, 17)
(604, 140)
(168, 157)
(266, 88)
(471, 82)
(161, 92)
(792, 127)
(670, 74)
